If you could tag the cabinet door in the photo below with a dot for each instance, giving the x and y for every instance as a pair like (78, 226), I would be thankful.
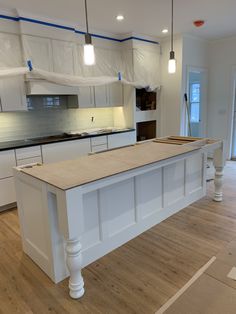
(7, 162)
(11, 52)
(101, 97)
(39, 51)
(86, 97)
(65, 150)
(121, 139)
(116, 94)
(12, 94)
(64, 57)
(7, 191)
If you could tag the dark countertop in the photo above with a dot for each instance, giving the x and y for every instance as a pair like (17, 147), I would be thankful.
(53, 139)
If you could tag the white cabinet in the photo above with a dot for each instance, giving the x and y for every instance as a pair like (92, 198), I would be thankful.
(64, 57)
(99, 143)
(121, 139)
(7, 188)
(115, 94)
(39, 51)
(86, 97)
(101, 96)
(65, 150)
(11, 52)
(7, 191)
(28, 155)
(12, 94)
(7, 162)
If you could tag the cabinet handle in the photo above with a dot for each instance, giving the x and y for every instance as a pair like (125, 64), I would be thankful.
(1, 103)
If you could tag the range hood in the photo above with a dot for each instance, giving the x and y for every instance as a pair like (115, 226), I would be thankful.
(41, 87)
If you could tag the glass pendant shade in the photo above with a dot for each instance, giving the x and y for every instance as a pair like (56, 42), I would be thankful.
(89, 55)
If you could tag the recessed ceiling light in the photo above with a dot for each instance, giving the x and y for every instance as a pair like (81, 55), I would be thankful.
(165, 30)
(120, 17)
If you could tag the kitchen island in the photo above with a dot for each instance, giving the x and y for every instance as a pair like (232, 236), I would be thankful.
(74, 212)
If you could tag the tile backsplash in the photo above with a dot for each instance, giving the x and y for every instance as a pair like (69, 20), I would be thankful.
(29, 124)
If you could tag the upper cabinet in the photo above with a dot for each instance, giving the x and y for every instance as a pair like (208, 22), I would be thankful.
(12, 94)
(64, 57)
(39, 51)
(115, 94)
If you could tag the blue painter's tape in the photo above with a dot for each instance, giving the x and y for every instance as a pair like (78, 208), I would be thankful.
(25, 19)
(29, 63)
(68, 28)
(140, 39)
(119, 76)
(7, 17)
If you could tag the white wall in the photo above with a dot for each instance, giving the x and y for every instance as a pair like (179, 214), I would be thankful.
(170, 113)
(190, 52)
(222, 61)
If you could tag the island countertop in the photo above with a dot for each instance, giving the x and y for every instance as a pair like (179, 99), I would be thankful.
(72, 173)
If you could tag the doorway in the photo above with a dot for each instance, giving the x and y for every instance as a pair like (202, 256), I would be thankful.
(197, 102)
(233, 153)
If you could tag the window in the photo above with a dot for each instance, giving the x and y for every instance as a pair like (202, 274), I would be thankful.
(195, 93)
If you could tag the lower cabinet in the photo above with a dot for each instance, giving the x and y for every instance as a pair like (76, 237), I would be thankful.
(7, 191)
(65, 150)
(52, 153)
(121, 139)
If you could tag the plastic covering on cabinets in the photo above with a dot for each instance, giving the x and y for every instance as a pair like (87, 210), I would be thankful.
(136, 67)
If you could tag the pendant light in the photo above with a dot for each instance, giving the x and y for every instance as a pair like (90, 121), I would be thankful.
(172, 61)
(89, 56)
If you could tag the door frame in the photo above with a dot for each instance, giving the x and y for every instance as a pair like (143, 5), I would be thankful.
(232, 106)
(203, 100)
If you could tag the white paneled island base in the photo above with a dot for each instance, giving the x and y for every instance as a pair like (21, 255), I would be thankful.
(74, 212)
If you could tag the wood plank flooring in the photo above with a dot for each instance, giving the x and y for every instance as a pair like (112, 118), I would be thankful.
(136, 278)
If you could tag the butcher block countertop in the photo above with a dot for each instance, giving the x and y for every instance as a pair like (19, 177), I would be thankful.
(72, 173)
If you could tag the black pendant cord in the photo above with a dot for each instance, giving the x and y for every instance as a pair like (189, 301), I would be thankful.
(172, 24)
(86, 16)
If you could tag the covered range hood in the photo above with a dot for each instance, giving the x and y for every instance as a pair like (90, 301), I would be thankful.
(41, 87)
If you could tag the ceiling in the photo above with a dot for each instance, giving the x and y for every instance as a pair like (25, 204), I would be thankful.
(141, 16)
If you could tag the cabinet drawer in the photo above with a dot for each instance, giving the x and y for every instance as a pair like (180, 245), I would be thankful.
(25, 161)
(7, 191)
(100, 140)
(99, 148)
(28, 152)
(7, 162)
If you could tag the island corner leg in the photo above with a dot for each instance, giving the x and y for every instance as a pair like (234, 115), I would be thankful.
(74, 264)
(219, 171)
(71, 224)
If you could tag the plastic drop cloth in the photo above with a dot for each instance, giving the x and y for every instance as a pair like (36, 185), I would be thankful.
(137, 67)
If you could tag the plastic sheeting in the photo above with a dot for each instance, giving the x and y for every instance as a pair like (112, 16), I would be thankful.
(138, 67)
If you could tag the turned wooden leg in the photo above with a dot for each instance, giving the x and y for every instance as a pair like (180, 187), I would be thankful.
(74, 264)
(218, 195)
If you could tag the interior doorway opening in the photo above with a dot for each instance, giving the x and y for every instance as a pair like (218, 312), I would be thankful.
(197, 102)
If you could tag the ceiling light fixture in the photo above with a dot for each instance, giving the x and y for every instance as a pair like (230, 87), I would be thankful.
(165, 31)
(172, 61)
(89, 55)
(120, 17)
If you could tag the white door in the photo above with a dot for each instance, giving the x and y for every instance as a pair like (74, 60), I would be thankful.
(197, 103)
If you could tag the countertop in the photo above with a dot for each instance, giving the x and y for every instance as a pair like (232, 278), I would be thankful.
(71, 173)
(52, 139)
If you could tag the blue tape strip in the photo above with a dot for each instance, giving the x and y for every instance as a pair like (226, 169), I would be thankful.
(119, 76)
(140, 39)
(29, 63)
(68, 28)
(7, 17)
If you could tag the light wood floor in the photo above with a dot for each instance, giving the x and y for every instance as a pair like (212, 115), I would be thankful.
(138, 277)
